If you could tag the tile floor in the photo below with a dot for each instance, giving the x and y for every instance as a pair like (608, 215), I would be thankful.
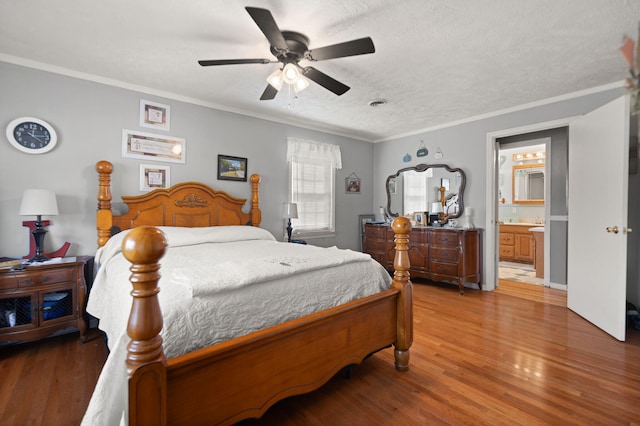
(519, 272)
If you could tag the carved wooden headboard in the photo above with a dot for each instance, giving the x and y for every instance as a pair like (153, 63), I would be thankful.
(189, 204)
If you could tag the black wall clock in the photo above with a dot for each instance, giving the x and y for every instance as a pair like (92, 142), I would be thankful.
(32, 135)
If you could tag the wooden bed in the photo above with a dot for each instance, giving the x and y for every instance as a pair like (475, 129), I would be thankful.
(239, 378)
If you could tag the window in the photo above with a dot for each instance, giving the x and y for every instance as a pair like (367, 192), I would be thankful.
(312, 185)
(415, 187)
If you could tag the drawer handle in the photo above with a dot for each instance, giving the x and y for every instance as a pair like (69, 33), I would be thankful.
(45, 279)
(27, 281)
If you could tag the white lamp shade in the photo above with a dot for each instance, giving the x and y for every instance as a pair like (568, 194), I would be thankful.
(436, 208)
(290, 210)
(276, 79)
(38, 202)
(290, 73)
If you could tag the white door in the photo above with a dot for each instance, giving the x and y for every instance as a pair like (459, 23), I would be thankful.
(598, 185)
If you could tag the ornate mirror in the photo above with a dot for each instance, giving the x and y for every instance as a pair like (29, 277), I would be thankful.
(419, 189)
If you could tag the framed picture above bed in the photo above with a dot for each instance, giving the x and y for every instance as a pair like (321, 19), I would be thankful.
(155, 115)
(147, 146)
(153, 176)
(232, 168)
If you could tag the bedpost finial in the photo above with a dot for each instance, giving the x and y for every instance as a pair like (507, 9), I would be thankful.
(144, 245)
(401, 225)
(255, 178)
(104, 167)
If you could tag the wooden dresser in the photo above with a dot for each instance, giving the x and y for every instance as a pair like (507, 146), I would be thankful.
(517, 243)
(438, 254)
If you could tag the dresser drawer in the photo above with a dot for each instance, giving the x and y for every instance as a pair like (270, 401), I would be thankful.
(52, 276)
(443, 268)
(377, 232)
(8, 282)
(507, 239)
(446, 254)
(444, 238)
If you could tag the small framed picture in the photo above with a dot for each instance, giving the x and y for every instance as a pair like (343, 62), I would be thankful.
(232, 168)
(445, 182)
(352, 184)
(155, 115)
(153, 176)
(417, 216)
(424, 218)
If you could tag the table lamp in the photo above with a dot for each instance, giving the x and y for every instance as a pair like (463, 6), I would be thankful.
(289, 211)
(436, 208)
(39, 202)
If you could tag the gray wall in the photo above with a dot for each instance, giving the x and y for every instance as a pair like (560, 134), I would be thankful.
(465, 146)
(89, 118)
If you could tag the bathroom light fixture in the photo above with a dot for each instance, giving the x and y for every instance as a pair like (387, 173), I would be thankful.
(291, 75)
(39, 202)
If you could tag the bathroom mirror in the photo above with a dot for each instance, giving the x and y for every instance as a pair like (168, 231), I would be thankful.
(415, 189)
(528, 183)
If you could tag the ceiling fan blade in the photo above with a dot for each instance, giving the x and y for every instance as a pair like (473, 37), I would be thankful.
(325, 81)
(268, 26)
(208, 63)
(269, 93)
(361, 46)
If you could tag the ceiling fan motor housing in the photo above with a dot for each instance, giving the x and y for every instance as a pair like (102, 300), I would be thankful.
(298, 47)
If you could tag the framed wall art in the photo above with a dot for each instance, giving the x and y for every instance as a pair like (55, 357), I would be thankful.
(153, 176)
(232, 168)
(147, 146)
(352, 184)
(155, 115)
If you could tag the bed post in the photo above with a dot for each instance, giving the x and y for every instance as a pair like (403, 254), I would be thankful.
(401, 227)
(143, 247)
(104, 216)
(256, 214)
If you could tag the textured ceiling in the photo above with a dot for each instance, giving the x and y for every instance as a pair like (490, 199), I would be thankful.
(436, 62)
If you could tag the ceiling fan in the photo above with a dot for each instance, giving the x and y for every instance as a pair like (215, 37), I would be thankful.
(289, 48)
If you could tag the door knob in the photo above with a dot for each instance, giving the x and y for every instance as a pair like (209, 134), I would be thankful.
(628, 230)
(613, 229)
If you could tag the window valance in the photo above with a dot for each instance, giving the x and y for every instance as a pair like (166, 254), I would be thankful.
(307, 151)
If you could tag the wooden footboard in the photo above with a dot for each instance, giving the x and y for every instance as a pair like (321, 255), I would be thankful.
(243, 377)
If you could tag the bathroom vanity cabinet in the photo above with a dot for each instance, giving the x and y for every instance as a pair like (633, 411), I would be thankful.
(439, 254)
(517, 243)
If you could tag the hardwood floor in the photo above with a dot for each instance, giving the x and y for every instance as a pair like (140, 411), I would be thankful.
(482, 358)
(528, 291)
(49, 382)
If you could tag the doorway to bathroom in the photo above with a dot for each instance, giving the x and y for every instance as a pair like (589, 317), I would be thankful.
(521, 210)
(531, 207)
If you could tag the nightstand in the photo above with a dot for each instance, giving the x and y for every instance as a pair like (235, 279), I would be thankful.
(39, 300)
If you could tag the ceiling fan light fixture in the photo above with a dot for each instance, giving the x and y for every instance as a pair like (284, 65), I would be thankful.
(276, 79)
(300, 84)
(290, 73)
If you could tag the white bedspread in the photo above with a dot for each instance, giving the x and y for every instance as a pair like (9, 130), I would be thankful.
(216, 284)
